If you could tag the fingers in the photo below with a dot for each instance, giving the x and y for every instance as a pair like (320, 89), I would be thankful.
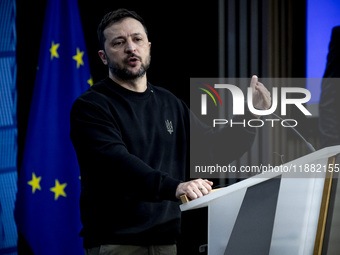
(198, 188)
(253, 82)
(202, 189)
(262, 89)
(265, 95)
(194, 189)
(261, 96)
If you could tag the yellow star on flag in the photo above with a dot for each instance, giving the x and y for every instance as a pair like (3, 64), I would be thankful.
(53, 50)
(90, 81)
(58, 189)
(35, 183)
(79, 57)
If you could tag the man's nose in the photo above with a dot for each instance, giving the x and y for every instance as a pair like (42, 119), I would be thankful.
(130, 46)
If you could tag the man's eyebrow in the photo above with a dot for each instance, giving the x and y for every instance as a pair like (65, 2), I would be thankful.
(118, 37)
(123, 37)
(137, 33)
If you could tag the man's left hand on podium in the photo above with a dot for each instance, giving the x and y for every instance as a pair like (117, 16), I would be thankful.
(194, 189)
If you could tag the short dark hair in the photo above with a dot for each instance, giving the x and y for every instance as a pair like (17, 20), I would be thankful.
(113, 17)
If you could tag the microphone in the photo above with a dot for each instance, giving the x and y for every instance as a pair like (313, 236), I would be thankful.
(309, 146)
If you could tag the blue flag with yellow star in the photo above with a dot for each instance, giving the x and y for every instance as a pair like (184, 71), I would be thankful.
(47, 206)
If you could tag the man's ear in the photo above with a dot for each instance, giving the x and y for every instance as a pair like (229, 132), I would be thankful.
(102, 56)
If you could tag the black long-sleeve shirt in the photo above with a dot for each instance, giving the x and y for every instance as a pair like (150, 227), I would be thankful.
(131, 161)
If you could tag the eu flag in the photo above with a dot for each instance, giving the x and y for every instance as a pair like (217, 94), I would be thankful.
(47, 206)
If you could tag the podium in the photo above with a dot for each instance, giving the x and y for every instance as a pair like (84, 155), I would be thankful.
(287, 210)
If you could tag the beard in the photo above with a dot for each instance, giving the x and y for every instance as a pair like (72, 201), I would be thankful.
(125, 74)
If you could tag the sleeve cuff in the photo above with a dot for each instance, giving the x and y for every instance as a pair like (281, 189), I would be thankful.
(168, 190)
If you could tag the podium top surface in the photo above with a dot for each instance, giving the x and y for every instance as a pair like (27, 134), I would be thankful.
(324, 153)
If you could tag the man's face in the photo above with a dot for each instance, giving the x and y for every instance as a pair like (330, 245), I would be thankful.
(127, 49)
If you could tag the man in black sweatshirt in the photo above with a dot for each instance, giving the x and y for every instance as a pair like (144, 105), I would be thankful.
(132, 163)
